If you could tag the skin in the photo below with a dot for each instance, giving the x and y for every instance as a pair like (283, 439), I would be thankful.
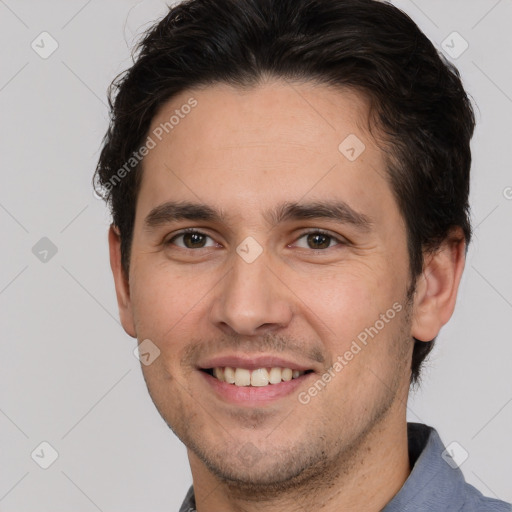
(245, 152)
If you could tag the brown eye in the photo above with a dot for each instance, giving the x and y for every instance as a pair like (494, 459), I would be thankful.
(318, 241)
(192, 240)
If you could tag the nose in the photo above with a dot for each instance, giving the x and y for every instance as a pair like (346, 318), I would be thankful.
(251, 300)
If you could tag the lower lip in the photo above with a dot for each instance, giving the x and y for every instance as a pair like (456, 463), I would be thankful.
(253, 395)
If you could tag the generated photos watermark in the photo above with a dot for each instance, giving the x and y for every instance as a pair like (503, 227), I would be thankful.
(157, 134)
(355, 348)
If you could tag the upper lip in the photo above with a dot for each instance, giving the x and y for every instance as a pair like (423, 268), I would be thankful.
(251, 362)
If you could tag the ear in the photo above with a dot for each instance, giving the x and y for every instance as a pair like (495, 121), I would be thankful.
(436, 288)
(121, 281)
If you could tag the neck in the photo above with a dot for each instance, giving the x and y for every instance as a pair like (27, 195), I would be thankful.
(367, 478)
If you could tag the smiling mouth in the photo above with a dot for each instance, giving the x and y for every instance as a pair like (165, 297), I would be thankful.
(259, 377)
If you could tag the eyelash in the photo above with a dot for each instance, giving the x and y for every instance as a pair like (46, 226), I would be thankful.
(318, 231)
(302, 235)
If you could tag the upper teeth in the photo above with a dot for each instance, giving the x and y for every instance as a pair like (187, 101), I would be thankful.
(258, 377)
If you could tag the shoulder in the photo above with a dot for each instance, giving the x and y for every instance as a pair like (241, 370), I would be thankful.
(436, 482)
(475, 501)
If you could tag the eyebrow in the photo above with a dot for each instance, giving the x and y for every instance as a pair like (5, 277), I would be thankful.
(335, 210)
(338, 211)
(182, 210)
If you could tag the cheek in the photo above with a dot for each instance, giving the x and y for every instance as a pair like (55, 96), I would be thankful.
(161, 299)
(166, 307)
(346, 301)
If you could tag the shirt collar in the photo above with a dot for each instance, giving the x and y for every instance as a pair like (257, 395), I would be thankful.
(433, 481)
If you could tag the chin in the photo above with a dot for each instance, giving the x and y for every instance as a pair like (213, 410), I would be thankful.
(250, 470)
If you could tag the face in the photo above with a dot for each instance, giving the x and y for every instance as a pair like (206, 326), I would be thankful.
(262, 246)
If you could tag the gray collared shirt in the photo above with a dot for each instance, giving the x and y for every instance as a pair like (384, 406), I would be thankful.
(435, 484)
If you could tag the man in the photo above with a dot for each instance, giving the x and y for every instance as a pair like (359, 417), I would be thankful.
(289, 185)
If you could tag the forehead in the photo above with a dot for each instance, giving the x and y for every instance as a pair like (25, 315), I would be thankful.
(275, 142)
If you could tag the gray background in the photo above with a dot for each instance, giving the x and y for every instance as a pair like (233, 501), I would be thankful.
(68, 373)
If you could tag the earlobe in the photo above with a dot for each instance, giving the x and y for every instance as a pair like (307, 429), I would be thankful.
(121, 281)
(436, 288)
